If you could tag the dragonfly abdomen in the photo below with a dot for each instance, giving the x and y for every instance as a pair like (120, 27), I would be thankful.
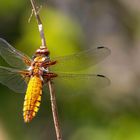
(32, 98)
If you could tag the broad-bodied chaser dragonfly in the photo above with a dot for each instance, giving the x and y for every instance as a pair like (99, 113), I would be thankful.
(29, 75)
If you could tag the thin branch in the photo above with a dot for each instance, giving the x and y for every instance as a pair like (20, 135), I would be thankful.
(40, 26)
(50, 84)
(54, 110)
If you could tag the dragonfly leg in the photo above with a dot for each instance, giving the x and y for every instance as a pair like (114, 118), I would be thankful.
(47, 64)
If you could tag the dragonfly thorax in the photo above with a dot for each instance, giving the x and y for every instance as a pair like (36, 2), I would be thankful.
(39, 59)
(36, 67)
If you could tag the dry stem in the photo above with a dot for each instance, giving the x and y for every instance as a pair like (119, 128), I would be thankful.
(50, 85)
(40, 26)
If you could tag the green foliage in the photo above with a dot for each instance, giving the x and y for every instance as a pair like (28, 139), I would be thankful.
(8, 7)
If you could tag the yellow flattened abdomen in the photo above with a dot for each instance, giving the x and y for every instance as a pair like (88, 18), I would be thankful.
(32, 98)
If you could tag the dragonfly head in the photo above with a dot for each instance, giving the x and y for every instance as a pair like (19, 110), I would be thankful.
(42, 51)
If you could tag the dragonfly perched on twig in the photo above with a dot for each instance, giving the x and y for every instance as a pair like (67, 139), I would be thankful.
(29, 75)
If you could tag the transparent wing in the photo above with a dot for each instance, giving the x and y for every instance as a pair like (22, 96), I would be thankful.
(80, 60)
(83, 80)
(13, 79)
(12, 56)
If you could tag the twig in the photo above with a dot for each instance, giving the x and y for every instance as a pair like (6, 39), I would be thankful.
(50, 84)
(30, 16)
(54, 111)
(40, 26)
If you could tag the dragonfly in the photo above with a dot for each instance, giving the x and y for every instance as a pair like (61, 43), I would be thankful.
(29, 75)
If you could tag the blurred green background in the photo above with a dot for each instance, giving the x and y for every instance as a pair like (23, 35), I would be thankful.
(112, 113)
